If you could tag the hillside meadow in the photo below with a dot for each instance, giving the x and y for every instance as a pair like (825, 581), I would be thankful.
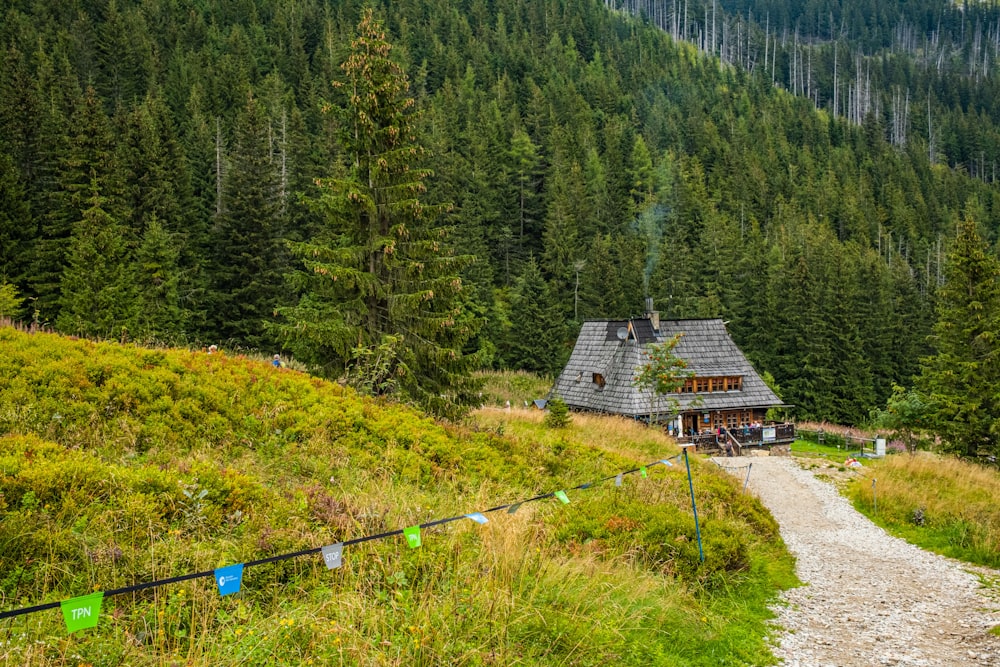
(122, 465)
(940, 503)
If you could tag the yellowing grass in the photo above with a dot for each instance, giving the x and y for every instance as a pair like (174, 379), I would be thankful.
(957, 501)
(518, 387)
(106, 450)
(625, 437)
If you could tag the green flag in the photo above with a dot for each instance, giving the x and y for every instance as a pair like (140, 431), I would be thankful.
(642, 471)
(412, 535)
(561, 495)
(82, 612)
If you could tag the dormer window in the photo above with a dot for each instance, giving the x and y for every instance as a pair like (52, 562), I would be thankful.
(712, 384)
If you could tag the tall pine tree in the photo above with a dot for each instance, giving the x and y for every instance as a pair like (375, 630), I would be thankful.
(96, 290)
(537, 334)
(382, 299)
(157, 308)
(248, 251)
(961, 379)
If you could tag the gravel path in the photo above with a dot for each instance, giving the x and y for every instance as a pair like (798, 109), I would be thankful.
(869, 598)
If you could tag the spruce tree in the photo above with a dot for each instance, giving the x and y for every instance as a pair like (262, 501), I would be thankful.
(561, 239)
(527, 168)
(536, 337)
(600, 284)
(157, 180)
(157, 279)
(10, 301)
(14, 221)
(83, 151)
(96, 290)
(381, 292)
(960, 379)
(557, 415)
(248, 267)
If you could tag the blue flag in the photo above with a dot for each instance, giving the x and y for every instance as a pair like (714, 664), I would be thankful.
(229, 579)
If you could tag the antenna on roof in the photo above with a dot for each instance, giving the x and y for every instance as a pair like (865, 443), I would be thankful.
(622, 333)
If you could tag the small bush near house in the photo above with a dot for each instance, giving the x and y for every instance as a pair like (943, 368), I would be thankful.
(558, 413)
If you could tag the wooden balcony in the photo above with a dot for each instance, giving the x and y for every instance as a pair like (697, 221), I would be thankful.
(742, 436)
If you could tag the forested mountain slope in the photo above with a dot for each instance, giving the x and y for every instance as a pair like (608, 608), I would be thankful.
(154, 157)
(923, 70)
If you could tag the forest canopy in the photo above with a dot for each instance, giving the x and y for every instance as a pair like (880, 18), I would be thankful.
(162, 164)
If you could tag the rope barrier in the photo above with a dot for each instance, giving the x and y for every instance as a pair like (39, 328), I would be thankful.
(511, 507)
(732, 467)
(748, 467)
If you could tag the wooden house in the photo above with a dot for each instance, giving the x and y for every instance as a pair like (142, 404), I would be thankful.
(724, 390)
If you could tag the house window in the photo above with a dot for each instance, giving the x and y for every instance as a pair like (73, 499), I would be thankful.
(599, 380)
(732, 420)
(729, 383)
(712, 384)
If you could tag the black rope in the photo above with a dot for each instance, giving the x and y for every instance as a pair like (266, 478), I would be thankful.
(12, 613)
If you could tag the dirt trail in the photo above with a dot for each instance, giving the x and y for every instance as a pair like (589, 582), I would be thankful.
(869, 598)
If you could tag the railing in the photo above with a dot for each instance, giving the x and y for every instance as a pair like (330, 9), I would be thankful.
(701, 441)
(845, 441)
(743, 436)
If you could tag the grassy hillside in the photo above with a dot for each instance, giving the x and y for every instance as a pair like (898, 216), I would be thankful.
(121, 465)
(939, 503)
(519, 388)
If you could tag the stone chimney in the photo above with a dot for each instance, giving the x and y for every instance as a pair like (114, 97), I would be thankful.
(652, 315)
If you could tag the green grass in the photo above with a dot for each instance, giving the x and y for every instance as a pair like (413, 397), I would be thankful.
(956, 500)
(518, 387)
(108, 449)
(833, 454)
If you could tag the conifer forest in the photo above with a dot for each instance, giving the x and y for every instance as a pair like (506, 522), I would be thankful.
(400, 193)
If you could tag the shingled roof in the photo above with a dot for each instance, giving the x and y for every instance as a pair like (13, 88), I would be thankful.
(705, 345)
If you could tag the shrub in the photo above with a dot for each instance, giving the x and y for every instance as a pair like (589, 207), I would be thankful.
(10, 302)
(558, 413)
